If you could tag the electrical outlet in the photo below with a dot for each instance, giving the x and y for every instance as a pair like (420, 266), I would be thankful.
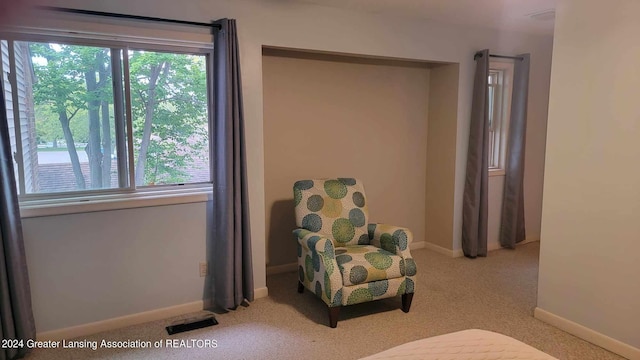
(203, 269)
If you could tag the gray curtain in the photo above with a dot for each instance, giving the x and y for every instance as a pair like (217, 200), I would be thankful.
(16, 317)
(230, 254)
(512, 224)
(474, 203)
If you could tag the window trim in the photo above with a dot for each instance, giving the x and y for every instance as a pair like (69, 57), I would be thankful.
(86, 38)
(506, 67)
(105, 202)
(131, 196)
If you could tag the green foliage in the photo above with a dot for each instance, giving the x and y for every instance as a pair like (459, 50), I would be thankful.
(171, 87)
(48, 127)
(58, 82)
(168, 89)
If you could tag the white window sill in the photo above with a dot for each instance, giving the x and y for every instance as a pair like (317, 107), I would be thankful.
(496, 172)
(116, 202)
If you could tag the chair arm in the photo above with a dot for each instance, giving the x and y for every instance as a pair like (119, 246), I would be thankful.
(315, 242)
(317, 266)
(394, 239)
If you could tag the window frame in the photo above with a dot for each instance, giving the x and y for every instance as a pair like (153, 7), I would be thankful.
(504, 87)
(130, 196)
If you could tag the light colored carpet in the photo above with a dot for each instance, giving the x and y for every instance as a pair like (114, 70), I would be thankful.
(496, 293)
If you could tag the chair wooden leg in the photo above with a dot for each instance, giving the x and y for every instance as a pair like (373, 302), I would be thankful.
(300, 287)
(406, 302)
(334, 312)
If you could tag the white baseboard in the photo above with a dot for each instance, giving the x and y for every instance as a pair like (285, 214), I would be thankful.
(441, 250)
(523, 242)
(120, 322)
(459, 253)
(491, 246)
(527, 241)
(133, 319)
(496, 245)
(588, 334)
(262, 292)
(418, 245)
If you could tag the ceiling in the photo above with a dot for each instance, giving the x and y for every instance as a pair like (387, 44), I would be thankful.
(510, 15)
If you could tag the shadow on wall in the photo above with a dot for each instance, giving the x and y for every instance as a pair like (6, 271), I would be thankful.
(281, 244)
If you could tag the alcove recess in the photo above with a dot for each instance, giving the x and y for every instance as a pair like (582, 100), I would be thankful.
(390, 122)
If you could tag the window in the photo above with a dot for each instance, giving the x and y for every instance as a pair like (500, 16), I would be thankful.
(94, 117)
(499, 94)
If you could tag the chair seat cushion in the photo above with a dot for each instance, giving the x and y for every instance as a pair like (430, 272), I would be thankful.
(366, 263)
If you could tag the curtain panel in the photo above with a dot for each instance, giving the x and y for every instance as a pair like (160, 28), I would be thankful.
(475, 200)
(230, 252)
(512, 229)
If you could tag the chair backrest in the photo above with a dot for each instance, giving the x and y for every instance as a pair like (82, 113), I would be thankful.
(335, 208)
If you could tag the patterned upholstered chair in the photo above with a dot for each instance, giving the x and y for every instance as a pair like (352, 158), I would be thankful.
(342, 258)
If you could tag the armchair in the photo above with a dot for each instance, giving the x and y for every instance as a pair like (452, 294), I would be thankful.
(342, 258)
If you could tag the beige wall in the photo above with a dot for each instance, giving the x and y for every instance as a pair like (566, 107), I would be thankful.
(441, 155)
(263, 23)
(337, 118)
(590, 249)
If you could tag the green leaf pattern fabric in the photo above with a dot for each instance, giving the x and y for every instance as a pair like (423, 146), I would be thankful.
(322, 277)
(396, 240)
(366, 263)
(335, 208)
(342, 258)
(372, 291)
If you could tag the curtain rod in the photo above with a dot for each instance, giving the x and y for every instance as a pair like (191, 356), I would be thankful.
(128, 17)
(477, 55)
